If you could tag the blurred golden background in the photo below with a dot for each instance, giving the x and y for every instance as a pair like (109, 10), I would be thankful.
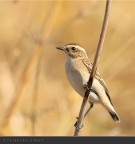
(35, 96)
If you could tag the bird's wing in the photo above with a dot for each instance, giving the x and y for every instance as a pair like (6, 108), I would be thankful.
(97, 76)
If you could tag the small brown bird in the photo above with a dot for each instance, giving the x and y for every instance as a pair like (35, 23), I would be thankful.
(78, 70)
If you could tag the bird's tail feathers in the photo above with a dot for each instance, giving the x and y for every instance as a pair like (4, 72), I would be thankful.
(111, 111)
(114, 116)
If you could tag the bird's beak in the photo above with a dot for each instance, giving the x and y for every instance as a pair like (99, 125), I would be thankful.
(60, 48)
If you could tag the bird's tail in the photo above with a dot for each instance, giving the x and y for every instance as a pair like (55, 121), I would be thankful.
(114, 116)
(111, 111)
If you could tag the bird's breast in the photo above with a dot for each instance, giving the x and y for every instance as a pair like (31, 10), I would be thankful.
(77, 76)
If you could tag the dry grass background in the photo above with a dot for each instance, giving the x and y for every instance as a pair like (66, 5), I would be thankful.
(35, 96)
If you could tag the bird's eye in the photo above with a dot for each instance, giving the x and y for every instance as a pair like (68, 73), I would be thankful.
(73, 48)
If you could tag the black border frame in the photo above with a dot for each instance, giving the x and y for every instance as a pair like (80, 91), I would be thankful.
(66, 140)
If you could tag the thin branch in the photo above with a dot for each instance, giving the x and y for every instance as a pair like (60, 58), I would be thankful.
(94, 67)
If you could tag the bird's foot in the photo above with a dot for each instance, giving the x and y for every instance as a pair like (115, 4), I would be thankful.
(86, 87)
(75, 125)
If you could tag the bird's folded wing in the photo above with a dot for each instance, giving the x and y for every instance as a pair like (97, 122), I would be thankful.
(97, 76)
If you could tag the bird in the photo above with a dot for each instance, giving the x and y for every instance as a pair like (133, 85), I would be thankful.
(78, 69)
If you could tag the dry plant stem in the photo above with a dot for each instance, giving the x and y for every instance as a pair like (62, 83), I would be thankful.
(32, 60)
(45, 32)
(35, 96)
(94, 67)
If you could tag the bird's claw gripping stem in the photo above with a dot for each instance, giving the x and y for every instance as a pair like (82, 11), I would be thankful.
(75, 125)
(86, 87)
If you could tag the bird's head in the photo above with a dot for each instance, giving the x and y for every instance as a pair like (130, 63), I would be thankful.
(73, 50)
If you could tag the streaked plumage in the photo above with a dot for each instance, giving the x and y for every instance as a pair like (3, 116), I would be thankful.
(78, 70)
